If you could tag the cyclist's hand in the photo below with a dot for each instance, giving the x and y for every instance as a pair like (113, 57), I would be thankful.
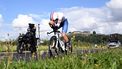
(51, 22)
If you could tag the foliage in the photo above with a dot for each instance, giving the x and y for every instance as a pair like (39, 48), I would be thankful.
(108, 59)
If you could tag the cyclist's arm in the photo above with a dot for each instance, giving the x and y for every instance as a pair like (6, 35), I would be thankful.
(51, 23)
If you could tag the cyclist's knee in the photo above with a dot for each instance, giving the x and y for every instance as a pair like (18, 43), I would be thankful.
(63, 34)
(65, 37)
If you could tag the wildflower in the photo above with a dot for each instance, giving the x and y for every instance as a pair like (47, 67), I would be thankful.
(86, 55)
(97, 65)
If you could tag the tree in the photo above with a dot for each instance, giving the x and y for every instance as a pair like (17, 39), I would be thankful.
(94, 32)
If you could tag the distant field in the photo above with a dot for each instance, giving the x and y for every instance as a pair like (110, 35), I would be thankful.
(12, 48)
(5, 47)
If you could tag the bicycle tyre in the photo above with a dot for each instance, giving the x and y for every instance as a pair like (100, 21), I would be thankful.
(52, 47)
(69, 49)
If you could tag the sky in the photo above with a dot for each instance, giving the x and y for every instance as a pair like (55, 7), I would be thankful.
(102, 16)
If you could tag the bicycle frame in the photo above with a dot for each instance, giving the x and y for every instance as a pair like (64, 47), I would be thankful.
(59, 42)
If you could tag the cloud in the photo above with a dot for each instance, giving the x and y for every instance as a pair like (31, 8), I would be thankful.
(44, 24)
(5, 37)
(44, 28)
(1, 20)
(115, 6)
(82, 19)
(118, 27)
(104, 20)
(21, 22)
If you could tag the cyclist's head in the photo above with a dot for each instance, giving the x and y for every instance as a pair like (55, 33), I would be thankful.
(53, 16)
(56, 15)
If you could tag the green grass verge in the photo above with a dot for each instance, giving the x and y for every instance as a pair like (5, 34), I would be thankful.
(4, 47)
(108, 59)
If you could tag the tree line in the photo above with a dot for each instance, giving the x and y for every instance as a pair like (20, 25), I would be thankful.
(96, 38)
(92, 38)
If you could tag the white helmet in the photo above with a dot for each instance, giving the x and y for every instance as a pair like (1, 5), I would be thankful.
(56, 15)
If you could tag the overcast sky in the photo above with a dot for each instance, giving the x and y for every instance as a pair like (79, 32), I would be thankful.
(102, 16)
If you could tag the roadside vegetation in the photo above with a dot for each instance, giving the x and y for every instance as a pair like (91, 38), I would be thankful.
(105, 59)
(108, 59)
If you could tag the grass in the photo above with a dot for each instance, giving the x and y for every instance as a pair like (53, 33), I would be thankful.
(108, 59)
(4, 47)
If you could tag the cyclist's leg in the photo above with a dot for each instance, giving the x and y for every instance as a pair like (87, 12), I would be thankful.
(64, 30)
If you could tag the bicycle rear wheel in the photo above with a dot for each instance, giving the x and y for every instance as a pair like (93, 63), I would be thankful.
(52, 47)
(69, 48)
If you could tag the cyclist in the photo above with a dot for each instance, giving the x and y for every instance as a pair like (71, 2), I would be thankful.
(57, 20)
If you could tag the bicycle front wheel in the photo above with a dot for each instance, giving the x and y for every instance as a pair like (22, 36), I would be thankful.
(52, 46)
